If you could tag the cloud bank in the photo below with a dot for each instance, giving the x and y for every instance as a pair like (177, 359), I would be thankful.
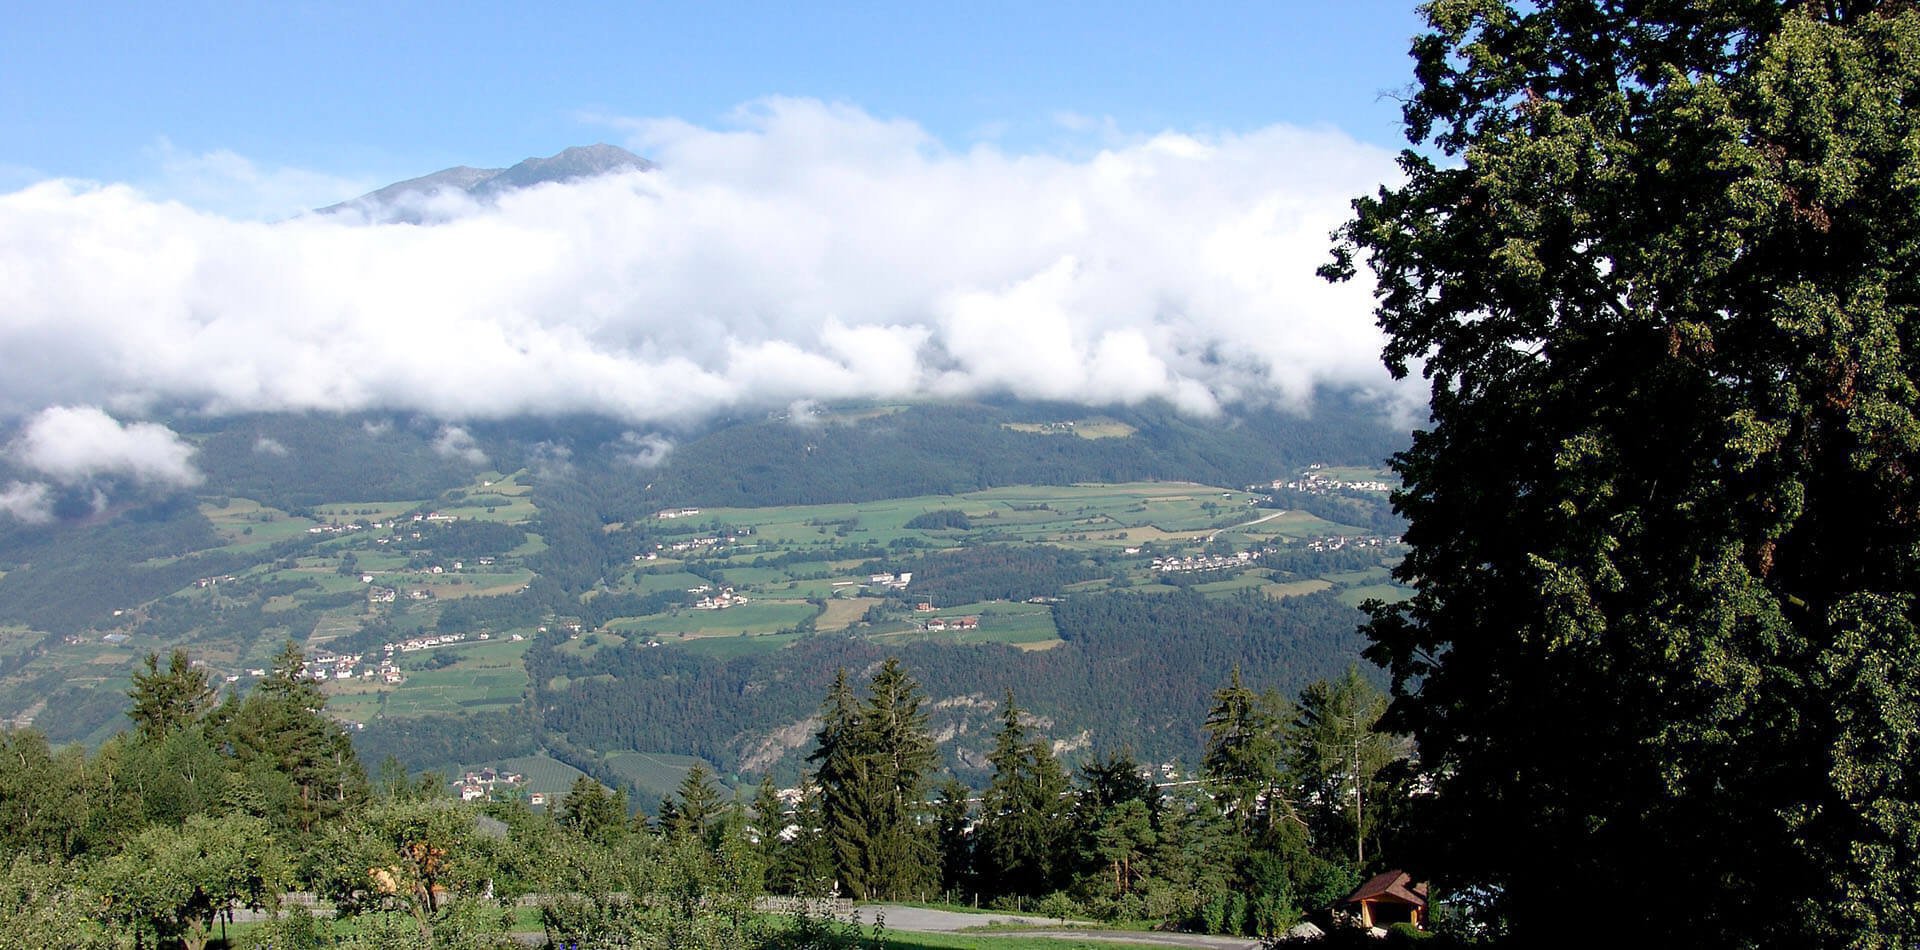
(804, 252)
(73, 445)
(81, 452)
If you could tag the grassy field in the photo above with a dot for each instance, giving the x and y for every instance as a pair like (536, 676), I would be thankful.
(1354, 596)
(843, 611)
(752, 618)
(544, 773)
(485, 675)
(656, 772)
(1084, 428)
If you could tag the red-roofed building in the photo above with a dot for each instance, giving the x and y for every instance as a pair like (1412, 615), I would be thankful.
(1388, 898)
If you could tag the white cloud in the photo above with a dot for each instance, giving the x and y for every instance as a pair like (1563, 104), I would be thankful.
(265, 445)
(456, 442)
(73, 445)
(808, 251)
(643, 451)
(227, 183)
(28, 502)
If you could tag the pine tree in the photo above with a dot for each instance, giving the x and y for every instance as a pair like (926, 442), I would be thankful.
(1243, 757)
(697, 804)
(873, 760)
(1334, 757)
(1023, 811)
(165, 701)
(279, 737)
(952, 813)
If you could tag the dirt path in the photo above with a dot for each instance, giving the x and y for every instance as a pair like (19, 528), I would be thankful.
(1246, 524)
(927, 920)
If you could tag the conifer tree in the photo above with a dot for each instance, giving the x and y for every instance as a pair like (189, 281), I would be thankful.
(952, 813)
(1023, 811)
(1243, 757)
(696, 805)
(169, 699)
(278, 736)
(873, 761)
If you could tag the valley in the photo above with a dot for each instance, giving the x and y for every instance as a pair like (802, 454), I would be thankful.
(521, 616)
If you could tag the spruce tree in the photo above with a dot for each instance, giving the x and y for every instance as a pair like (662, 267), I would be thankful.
(169, 699)
(1023, 811)
(873, 761)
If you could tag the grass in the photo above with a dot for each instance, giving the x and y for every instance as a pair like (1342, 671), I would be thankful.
(754, 617)
(486, 675)
(843, 611)
(1098, 428)
(544, 773)
(1354, 596)
(656, 772)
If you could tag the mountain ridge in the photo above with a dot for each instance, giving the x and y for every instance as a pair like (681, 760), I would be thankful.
(569, 164)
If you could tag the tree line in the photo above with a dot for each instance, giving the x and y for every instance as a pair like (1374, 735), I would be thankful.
(207, 804)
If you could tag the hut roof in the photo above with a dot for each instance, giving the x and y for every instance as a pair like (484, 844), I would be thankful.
(1396, 886)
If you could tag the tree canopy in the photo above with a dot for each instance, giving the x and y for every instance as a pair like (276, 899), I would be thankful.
(1657, 262)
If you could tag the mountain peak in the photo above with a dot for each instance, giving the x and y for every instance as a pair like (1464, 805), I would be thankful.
(571, 164)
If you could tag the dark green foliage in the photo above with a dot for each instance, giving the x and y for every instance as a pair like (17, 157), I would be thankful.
(1119, 647)
(288, 750)
(328, 458)
(593, 812)
(952, 814)
(939, 520)
(873, 761)
(164, 702)
(696, 806)
(1659, 263)
(446, 743)
(67, 576)
(1022, 834)
(951, 449)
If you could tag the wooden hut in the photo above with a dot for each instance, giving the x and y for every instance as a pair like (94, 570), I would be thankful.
(1388, 898)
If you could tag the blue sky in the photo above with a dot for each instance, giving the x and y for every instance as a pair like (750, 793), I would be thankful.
(380, 91)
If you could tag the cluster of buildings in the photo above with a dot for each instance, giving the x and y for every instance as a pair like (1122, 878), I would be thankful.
(480, 784)
(718, 600)
(322, 666)
(205, 583)
(1337, 542)
(335, 527)
(387, 595)
(1204, 562)
(1316, 482)
(953, 623)
(891, 581)
(694, 544)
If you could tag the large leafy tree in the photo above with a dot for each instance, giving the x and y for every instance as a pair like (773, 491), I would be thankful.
(1658, 262)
